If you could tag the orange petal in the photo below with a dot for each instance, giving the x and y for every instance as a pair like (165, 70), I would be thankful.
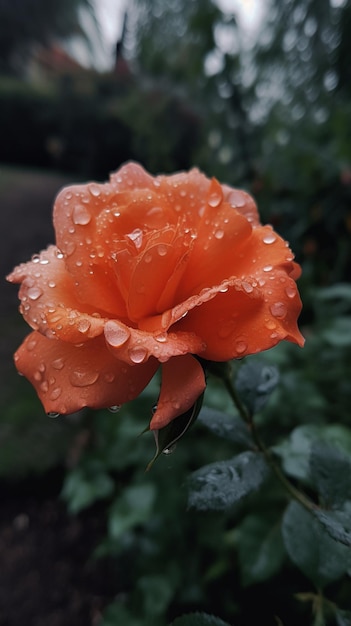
(135, 346)
(248, 318)
(183, 381)
(48, 299)
(68, 378)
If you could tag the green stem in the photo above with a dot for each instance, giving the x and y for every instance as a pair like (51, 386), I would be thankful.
(248, 418)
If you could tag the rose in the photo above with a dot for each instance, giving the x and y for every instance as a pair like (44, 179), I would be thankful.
(148, 272)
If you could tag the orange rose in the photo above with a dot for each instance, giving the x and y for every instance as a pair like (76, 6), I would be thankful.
(148, 272)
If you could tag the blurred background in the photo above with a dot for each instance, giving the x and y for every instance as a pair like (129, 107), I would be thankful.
(254, 92)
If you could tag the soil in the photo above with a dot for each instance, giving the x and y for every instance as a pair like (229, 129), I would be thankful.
(47, 574)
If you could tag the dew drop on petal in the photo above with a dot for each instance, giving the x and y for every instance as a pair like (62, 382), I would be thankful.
(161, 338)
(240, 346)
(162, 249)
(214, 199)
(83, 378)
(34, 293)
(278, 309)
(290, 292)
(138, 355)
(236, 199)
(83, 325)
(81, 215)
(94, 190)
(31, 345)
(109, 377)
(247, 287)
(269, 238)
(114, 408)
(53, 414)
(55, 393)
(136, 237)
(58, 364)
(116, 334)
(35, 258)
(219, 234)
(268, 268)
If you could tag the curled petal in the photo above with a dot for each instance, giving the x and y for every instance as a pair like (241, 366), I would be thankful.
(183, 381)
(68, 377)
(135, 346)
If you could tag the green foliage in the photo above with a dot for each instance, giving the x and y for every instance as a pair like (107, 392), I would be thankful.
(218, 486)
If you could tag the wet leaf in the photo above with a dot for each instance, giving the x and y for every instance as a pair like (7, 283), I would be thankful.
(255, 382)
(229, 427)
(220, 485)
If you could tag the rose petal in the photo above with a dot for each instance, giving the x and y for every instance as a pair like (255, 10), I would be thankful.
(135, 346)
(183, 381)
(68, 378)
(48, 299)
(249, 317)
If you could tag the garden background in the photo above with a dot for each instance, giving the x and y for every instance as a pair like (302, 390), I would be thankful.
(86, 536)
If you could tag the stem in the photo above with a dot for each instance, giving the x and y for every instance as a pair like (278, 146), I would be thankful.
(248, 418)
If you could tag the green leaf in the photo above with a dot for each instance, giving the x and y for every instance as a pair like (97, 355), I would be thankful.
(338, 334)
(220, 485)
(84, 485)
(337, 524)
(260, 548)
(198, 619)
(167, 437)
(310, 547)
(295, 451)
(229, 427)
(330, 471)
(255, 382)
(133, 507)
(157, 592)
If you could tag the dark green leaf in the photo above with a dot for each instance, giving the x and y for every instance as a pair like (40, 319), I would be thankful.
(330, 471)
(198, 619)
(255, 382)
(337, 524)
(260, 548)
(167, 437)
(310, 547)
(220, 485)
(295, 451)
(230, 427)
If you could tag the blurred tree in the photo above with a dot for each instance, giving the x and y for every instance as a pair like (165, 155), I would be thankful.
(24, 23)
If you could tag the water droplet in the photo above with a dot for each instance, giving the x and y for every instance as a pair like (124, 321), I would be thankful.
(236, 198)
(55, 393)
(114, 408)
(240, 346)
(219, 234)
(70, 247)
(83, 325)
(269, 238)
(35, 258)
(116, 334)
(169, 450)
(59, 254)
(52, 284)
(161, 338)
(83, 378)
(278, 309)
(58, 364)
(290, 292)
(247, 287)
(94, 190)
(81, 215)
(31, 344)
(37, 376)
(136, 236)
(53, 414)
(268, 268)
(214, 199)
(34, 293)
(44, 386)
(44, 261)
(162, 249)
(270, 324)
(138, 355)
